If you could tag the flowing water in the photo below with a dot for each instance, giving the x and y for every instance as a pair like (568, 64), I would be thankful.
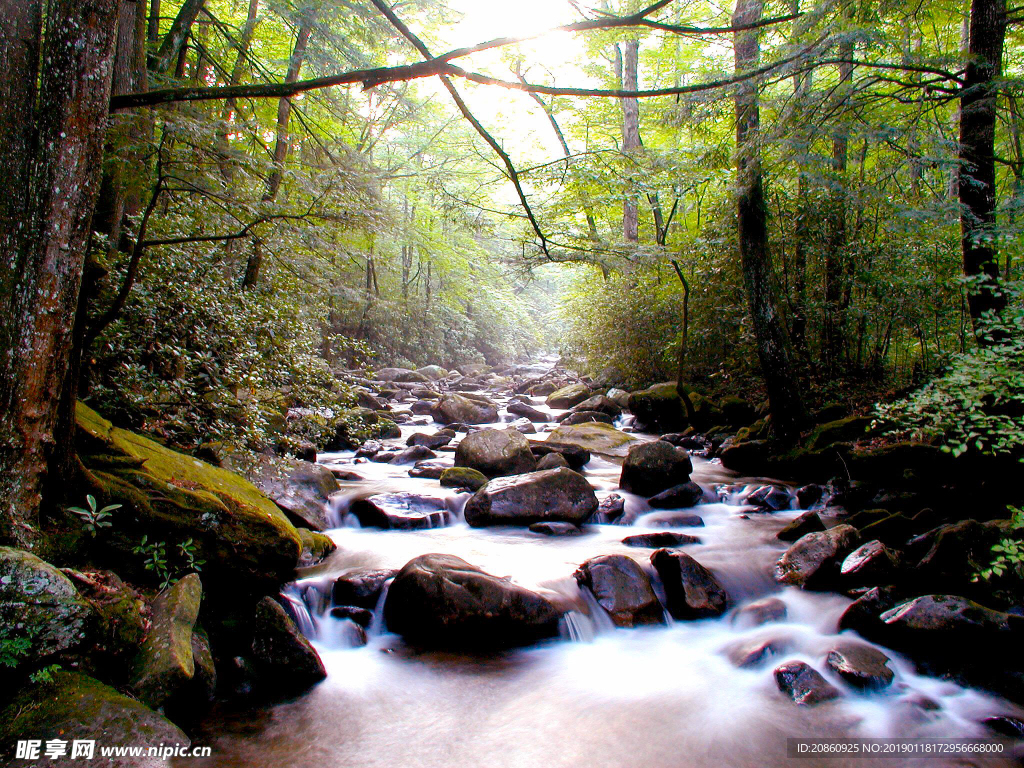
(656, 697)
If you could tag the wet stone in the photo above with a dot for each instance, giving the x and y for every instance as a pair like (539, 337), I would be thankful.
(621, 587)
(752, 653)
(691, 590)
(611, 509)
(678, 496)
(660, 539)
(360, 616)
(361, 588)
(803, 684)
(760, 612)
(808, 522)
(401, 511)
(683, 519)
(556, 529)
(860, 665)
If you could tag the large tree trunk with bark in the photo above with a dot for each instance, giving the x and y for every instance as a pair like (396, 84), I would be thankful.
(630, 134)
(254, 265)
(46, 228)
(977, 184)
(784, 396)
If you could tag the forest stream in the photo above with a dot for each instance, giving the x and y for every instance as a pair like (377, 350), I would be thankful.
(599, 696)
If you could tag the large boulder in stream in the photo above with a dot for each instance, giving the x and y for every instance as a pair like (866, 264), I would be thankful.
(691, 590)
(72, 706)
(441, 601)
(659, 408)
(496, 452)
(621, 587)
(286, 661)
(551, 495)
(813, 562)
(653, 467)
(595, 437)
(401, 511)
(458, 409)
(40, 608)
(528, 412)
(433, 372)
(301, 488)
(567, 397)
(248, 543)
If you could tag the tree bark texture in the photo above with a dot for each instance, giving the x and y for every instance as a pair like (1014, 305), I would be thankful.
(784, 396)
(44, 252)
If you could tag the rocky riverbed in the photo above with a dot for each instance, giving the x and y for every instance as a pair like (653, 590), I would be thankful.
(524, 576)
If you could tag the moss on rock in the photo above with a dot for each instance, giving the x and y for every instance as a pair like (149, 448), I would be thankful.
(596, 437)
(245, 539)
(75, 706)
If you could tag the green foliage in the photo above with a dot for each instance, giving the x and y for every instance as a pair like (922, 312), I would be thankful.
(166, 571)
(92, 518)
(13, 649)
(977, 405)
(45, 674)
(1008, 554)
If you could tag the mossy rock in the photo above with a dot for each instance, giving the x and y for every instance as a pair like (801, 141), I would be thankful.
(246, 540)
(840, 431)
(596, 437)
(41, 611)
(660, 408)
(121, 625)
(75, 706)
(165, 663)
(315, 547)
(567, 397)
(463, 477)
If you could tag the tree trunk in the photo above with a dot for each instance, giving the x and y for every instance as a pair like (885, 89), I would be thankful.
(784, 396)
(53, 206)
(230, 105)
(174, 42)
(977, 185)
(630, 135)
(284, 111)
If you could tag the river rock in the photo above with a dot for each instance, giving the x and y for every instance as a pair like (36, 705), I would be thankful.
(659, 408)
(527, 411)
(433, 442)
(433, 372)
(401, 511)
(552, 460)
(412, 454)
(585, 417)
(813, 561)
(803, 684)
(575, 456)
(432, 470)
(691, 591)
(402, 375)
(760, 612)
(459, 409)
(863, 615)
(463, 477)
(550, 495)
(806, 522)
(360, 616)
(422, 407)
(683, 519)
(556, 529)
(769, 498)
(301, 488)
(596, 437)
(660, 539)
(653, 467)
(623, 589)
(599, 404)
(40, 607)
(441, 601)
(496, 452)
(165, 664)
(950, 625)
(361, 588)
(120, 627)
(871, 563)
(611, 509)
(678, 496)
(752, 652)
(567, 397)
(366, 400)
(286, 661)
(619, 396)
(860, 665)
(73, 706)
